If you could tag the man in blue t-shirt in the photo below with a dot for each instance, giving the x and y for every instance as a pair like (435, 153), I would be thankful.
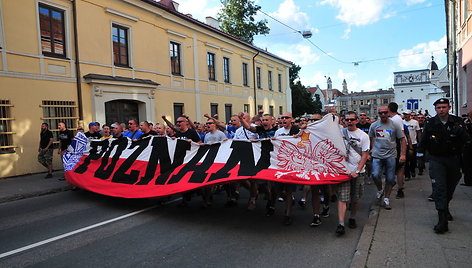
(133, 131)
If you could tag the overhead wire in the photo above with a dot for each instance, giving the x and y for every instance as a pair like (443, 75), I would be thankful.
(356, 63)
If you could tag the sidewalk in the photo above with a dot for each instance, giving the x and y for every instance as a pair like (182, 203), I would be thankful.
(404, 236)
(20, 187)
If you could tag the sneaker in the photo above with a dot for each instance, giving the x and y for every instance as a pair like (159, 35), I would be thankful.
(280, 199)
(325, 212)
(340, 230)
(430, 198)
(400, 194)
(236, 195)
(287, 220)
(379, 194)
(352, 223)
(48, 176)
(251, 205)
(270, 211)
(316, 221)
(386, 204)
(302, 203)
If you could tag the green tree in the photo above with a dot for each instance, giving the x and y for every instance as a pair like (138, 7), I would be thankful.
(302, 101)
(317, 104)
(237, 18)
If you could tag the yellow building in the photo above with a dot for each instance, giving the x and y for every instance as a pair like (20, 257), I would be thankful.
(107, 60)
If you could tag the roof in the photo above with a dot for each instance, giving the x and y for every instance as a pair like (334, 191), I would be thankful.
(120, 79)
(432, 65)
(366, 93)
(169, 7)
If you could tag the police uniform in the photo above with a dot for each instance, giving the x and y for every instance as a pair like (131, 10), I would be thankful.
(444, 142)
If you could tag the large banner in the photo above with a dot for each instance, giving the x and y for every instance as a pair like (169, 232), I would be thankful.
(159, 166)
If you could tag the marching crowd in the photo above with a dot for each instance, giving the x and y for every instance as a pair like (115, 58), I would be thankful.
(392, 146)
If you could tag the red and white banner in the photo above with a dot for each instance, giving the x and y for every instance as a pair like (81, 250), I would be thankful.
(160, 166)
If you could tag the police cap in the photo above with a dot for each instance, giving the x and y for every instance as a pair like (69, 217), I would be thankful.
(441, 101)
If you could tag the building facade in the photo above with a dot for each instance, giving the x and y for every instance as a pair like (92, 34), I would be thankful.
(364, 102)
(106, 60)
(459, 53)
(417, 90)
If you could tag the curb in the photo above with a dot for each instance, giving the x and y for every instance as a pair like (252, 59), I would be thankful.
(34, 194)
(362, 251)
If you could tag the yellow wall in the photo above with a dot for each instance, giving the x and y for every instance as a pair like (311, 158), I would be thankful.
(27, 77)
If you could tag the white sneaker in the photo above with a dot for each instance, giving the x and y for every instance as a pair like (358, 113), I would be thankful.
(379, 194)
(386, 204)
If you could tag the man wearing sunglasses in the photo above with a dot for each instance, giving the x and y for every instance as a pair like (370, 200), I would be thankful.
(357, 145)
(445, 138)
(133, 130)
(383, 143)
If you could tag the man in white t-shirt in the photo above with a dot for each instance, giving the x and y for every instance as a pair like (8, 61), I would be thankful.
(414, 129)
(358, 146)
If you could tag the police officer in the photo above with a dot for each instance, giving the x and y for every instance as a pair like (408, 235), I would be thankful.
(444, 137)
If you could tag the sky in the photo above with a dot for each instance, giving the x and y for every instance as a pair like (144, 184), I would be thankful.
(362, 41)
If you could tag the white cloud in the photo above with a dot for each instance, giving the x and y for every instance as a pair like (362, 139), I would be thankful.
(419, 55)
(313, 79)
(299, 54)
(358, 12)
(343, 75)
(414, 2)
(289, 13)
(370, 85)
(205, 8)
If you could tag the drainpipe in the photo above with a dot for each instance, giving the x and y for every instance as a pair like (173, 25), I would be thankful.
(77, 64)
(254, 81)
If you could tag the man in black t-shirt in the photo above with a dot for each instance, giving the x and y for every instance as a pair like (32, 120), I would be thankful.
(94, 131)
(45, 148)
(363, 124)
(146, 128)
(266, 130)
(184, 132)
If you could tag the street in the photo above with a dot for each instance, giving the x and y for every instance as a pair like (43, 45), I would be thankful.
(166, 235)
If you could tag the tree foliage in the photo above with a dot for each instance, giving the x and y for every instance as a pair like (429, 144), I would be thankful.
(237, 18)
(302, 101)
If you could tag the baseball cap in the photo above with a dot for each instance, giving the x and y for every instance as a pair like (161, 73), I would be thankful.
(407, 112)
(114, 125)
(94, 124)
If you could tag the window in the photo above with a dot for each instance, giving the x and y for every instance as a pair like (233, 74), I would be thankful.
(51, 23)
(228, 112)
(226, 69)
(211, 66)
(354, 102)
(375, 101)
(279, 79)
(271, 110)
(245, 77)
(281, 109)
(120, 45)
(6, 135)
(59, 111)
(269, 80)
(246, 108)
(175, 58)
(178, 110)
(343, 103)
(361, 102)
(258, 77)
(385, 101)
(213, 109)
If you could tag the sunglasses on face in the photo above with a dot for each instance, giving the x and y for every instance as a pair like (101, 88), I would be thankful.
(383, 112)
(363, 115)
(350, 119)
(130, 123)
(285, 117)
(209, 123)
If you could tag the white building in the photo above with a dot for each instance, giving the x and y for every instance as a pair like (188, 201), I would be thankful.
(417, 90)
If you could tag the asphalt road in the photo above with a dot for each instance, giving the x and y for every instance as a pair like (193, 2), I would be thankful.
(167, 236)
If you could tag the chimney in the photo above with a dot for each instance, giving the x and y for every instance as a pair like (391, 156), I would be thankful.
(213, 22)
(176, 5)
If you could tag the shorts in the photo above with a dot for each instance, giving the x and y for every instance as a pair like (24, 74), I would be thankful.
(45, 157)
(351, 190)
